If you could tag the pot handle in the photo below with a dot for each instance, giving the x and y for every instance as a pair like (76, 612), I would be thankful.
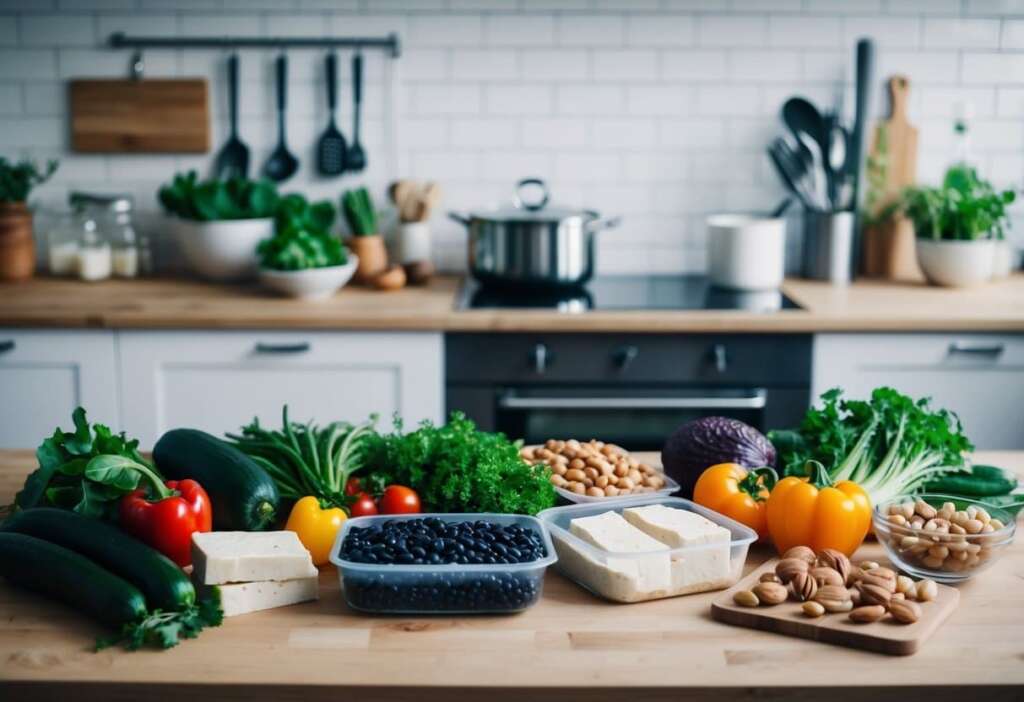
(598, 224)
(459, 217)
(522, 204)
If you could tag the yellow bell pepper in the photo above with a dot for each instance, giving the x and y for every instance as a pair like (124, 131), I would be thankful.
(813, 512)
(316, 526)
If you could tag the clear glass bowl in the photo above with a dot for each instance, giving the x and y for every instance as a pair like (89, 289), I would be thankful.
(936, 554)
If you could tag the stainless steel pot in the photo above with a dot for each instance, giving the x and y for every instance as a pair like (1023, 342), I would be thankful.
(532, 243)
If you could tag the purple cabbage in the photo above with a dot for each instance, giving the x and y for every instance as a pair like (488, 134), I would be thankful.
(702, 443)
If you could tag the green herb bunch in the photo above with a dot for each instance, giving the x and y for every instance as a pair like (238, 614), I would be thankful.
(302, 237)
(18, 179)
(359, 212)
(165, 629)
(456, 468)
(965, 207)
(214, 200)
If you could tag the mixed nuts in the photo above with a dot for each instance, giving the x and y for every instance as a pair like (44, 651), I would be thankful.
(594, 468)
(944, 538)
(826, 582)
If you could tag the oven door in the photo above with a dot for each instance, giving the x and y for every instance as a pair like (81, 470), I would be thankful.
(637, 419)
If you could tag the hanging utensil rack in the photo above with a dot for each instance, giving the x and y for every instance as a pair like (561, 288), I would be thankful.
(389, 43)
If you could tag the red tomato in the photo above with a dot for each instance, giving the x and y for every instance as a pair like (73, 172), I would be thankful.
(364, 506)
(398, 499)
(353, 486)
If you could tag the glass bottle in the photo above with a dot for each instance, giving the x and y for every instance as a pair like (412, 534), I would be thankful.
(62, 244)
(94, 258)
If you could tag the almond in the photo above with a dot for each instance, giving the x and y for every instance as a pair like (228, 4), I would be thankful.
(827, 576)
(836, 560)
(804, 553)
(905, 611)
(813, 609)
(788, 568)
(871, 594)
(804, 587)
(867, 614)
(871, 579)
(745, 598)
(770, 593)
(769, 577)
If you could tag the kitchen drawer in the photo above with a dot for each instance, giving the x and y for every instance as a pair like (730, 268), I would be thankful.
(710, 359)
(218, 381)
(44, 375)
(978, 376)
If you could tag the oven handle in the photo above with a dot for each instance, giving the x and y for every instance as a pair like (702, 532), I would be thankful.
(756, 400)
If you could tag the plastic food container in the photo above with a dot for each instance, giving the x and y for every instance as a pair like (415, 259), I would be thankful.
(958, 557)
(620, 576)
(671, 486)
(448, 588)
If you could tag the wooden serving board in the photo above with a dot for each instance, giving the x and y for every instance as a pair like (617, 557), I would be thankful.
(139, 116)
(884, 636)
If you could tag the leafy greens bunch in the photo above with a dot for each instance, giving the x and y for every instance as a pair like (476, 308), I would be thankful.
(302, 237)
(359, 212)
(164, 630)
(891, 444)
(964, 207)
(18, 179)
(212, 200)
(456, 468)
(87, 470)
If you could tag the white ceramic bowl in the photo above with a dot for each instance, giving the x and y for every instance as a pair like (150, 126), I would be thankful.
(222, 250)
(956, 264)
(312, 283)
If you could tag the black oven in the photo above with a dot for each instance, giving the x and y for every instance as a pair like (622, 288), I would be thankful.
(631, 390)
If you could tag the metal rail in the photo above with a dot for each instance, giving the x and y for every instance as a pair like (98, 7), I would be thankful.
(120, 40)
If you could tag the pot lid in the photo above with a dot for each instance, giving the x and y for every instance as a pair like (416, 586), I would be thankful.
(531, 203)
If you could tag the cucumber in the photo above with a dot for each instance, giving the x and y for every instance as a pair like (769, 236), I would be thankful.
(164, 585)
(981, 481)
(64, 575)
(243, 496)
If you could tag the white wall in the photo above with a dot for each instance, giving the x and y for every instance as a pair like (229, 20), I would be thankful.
(655, 109)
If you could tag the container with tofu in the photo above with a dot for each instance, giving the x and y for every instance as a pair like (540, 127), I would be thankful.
(647, 548)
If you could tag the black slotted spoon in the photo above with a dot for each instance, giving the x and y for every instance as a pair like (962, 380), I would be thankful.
(282, 164)
(233, 158)
(355, 159)
(331, 150)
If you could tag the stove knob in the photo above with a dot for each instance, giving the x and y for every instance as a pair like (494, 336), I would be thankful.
(719, 357)
(625, 356)
(541, 358)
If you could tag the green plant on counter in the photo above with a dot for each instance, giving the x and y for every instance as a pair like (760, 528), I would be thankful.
(964, 208)
(18, 179)
(213, 200)
(302, 237)
(359, 213)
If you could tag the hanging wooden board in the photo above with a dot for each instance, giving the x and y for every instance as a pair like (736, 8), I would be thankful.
(139, 116)
(883, 636)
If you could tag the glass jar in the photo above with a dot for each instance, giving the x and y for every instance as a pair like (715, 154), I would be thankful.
(62, 236)
(112, 215)
(95, 261)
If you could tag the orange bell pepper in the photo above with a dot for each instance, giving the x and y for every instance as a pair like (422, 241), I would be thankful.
(812, 512)
(732, 490)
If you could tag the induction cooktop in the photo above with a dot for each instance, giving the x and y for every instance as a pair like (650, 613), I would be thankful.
(625, 292)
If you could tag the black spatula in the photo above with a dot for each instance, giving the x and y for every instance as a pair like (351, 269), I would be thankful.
(331, 149)
(233, 158)
(355, 159)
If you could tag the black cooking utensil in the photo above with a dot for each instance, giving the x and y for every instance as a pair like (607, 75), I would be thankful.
(863, 79)
(355, 159)
(781, 208)
(282, 164)
(806, 122)
(233, 158)
(793, 172)
(331, 149)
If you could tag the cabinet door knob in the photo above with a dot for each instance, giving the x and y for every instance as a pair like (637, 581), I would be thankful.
(7, 346)
(995, 349)
(719, 357)
(625, 356)
(541, 358)
(299, 347)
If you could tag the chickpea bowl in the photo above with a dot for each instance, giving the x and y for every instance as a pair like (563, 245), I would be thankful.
(945, 538)
(595, 471)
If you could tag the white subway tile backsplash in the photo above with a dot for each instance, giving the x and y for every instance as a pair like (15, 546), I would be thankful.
(661, 99)
(448, 30)
(660, 30)
(1013, 34)
(843, 6)
(519, 30)
(446, 99)
(592, 98)
(484, 64)
(58, 30)
(693, 133)
(943, 33)
(1010, 102)
(656, 167)
(10, 99)
(694, 65)
(518, 99)
(30, 132)
(555, 64)
(993, 68)
(565, 132)
(221, 25)
(8, 30)
(727, 100)
(625, 64)
(625, 133)
(28, 64)
(588, 167)
(717, 30)
(773, 66)
(484, 133)
(887, 32)
(591, 30)
(786, 30)
(994, 8)
(507, 167)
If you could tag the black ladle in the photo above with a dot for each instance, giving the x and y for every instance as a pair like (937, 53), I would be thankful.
(331, 151)
(355, 159)
(282, 164)
(233, 159)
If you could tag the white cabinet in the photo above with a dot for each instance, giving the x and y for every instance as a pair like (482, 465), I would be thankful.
(217, 381)
(978, 376)
(44, 375)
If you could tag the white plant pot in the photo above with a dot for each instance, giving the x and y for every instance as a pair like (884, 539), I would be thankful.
(1005, 258)
(312, 283)
(222, 250)
(746, 252)
(956, 264)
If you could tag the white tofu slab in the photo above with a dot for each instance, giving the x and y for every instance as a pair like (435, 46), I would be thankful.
(220, 557)
(609, 532)
(707, 562)
(242, 598)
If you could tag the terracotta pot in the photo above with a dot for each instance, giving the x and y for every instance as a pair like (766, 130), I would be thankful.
(373, 257)
(889, 251)
(17, 248)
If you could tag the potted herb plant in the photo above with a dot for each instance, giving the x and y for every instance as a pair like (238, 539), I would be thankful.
(303, 258)
(957, 226)
(366, 241)
(219, 223)
(17, 246)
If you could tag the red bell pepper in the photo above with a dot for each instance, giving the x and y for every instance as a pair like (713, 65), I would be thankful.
(180, 508)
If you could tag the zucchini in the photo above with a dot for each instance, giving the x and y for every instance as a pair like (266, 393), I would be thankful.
(62, 574)
(243, 496)
(164, 585)
(981, 481)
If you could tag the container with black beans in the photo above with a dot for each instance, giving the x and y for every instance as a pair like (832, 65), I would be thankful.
(442, 563)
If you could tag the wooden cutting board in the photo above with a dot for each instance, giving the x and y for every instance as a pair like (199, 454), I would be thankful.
(883, 636)
(139, 116)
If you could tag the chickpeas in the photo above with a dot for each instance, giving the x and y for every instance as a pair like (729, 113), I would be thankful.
(594, 468)
(942, 538)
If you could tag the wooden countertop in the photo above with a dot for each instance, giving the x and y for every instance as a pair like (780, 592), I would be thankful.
(570, 646)
(190, 304)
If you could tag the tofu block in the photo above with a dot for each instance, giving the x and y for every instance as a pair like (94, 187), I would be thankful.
(705, 560)
(220, 557)
(242, 598)
(611, 533)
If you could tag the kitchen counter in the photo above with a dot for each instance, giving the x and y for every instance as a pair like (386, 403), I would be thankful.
(190, 304)
(570, 646)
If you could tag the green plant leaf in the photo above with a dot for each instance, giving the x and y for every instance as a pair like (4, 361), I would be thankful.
(119, 472)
